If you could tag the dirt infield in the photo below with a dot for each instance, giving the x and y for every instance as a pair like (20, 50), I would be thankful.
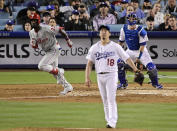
(50, 92)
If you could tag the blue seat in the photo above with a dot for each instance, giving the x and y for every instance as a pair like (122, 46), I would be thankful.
(4, 15)
(115, 27)
(3, 22)
(18, 8)
(42, 8)
(174, 13)
(18, 28)
(14, 14)
(2, 27)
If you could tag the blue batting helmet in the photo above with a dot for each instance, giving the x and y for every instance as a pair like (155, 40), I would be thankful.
(132, 19)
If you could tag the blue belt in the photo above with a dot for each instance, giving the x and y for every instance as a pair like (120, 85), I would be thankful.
(103, 72)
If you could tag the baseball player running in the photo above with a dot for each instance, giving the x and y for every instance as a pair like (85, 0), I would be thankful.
(104, 54)
(44, 36)
(136, 37)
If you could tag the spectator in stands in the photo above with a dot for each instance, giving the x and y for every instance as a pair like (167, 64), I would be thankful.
(122, 10)
(84, 16)
(24, 14)
(150, 24)
(56, 6)
(52, 22)
(117, 2)
(76, 4)
(165, 25)
(74, 23)
(157, 14)
(83, 11)
(111, 7)
(171, 7)
(5, 7)
(123, 20)
(147, 6)
(9, 26)
(104, 17)
(45, 19)
(51, 10)
(140, 14)
(55, 13)
(27, 26)
(73, 5)
(94, 9)
(172, 23)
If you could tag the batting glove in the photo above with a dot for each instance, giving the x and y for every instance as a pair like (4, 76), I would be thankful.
(70, 43)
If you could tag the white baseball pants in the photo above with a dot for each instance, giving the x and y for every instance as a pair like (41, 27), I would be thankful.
(107, 84)
(50, 60)
(145, 59)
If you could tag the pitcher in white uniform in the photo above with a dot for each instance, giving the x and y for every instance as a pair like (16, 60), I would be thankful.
(104, 54)
(44, 36)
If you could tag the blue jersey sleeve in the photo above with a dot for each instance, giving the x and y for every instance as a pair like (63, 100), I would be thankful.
(143, 43)
(143, 33)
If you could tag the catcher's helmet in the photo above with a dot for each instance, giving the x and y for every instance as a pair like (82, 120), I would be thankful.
(132, 19)
(35, 16)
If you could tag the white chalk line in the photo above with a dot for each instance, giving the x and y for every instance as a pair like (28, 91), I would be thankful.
(32, 97)
(159, 76)
(79, 128)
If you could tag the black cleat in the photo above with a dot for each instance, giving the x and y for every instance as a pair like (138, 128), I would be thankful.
(108, 126)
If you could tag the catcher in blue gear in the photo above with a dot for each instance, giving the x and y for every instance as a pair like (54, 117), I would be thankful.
(135, 38)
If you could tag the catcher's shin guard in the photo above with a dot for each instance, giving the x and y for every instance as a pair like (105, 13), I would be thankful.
(121, 72)
(153, 76)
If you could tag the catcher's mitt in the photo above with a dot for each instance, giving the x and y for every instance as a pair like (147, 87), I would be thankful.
(139, 77)
(139, 65)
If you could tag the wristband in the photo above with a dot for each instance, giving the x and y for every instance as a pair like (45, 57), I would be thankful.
(141, 53)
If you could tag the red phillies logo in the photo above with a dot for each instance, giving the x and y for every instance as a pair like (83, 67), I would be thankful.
(39, 40)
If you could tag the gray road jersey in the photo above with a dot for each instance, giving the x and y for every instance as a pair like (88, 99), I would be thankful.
(45, 37)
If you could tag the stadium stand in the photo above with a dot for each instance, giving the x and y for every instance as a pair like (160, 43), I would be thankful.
(4, 15)
(42, 8)
(18, 8)
(18, 28)
(3, 21)
(115, 27)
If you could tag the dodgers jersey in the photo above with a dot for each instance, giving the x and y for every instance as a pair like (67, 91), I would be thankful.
(45, 37)
(133, 38)
(105, 56)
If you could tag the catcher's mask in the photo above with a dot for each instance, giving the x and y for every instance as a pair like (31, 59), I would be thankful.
(132, 19)
(35, 20)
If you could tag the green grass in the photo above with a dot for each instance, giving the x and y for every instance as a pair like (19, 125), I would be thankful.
(72, 76)
(155, 117)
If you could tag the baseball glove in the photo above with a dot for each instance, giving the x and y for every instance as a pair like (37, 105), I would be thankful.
(139, 77)
(139, 65)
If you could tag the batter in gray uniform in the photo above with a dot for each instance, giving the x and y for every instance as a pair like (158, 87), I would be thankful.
(44, 36)
(104, 54)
